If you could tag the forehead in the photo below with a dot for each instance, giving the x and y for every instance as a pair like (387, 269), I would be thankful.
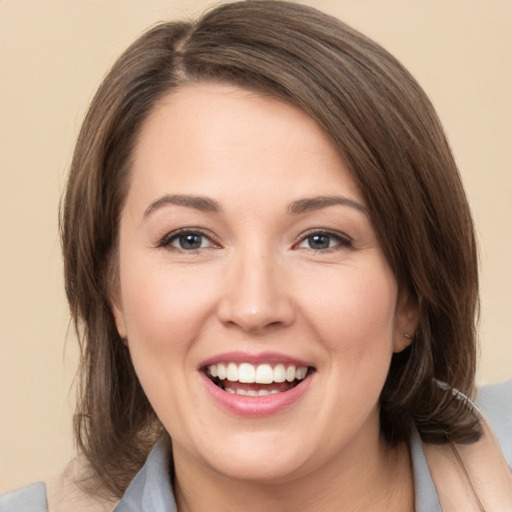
(213, 138)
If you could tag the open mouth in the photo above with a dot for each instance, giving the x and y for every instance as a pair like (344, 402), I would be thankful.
(256, 380)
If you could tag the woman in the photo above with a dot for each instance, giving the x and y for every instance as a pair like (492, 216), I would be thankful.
(271, 263)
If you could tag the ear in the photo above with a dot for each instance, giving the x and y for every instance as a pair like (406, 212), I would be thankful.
(406, 321)
(114, 296)
(117, 312)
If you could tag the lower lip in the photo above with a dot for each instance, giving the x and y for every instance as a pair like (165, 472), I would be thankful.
(256, 406)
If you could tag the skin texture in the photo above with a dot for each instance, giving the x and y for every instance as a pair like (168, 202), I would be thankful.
(257, 283)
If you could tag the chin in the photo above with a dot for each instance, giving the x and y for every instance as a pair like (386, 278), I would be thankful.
(271, 467)
(262, 458)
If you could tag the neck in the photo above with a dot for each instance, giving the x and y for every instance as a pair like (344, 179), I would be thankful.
(374, 478)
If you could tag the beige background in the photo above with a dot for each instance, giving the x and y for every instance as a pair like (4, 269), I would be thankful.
(53, 55)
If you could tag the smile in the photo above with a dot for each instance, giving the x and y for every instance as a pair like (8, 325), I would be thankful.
(247, 379)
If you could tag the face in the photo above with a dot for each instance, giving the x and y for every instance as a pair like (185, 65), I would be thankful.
(259, 309)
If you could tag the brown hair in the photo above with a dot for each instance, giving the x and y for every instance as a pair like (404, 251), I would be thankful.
(387, 132)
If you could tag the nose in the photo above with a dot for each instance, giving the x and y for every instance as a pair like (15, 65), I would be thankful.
(256, 295)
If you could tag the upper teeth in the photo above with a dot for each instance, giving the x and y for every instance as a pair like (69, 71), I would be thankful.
(260, 374)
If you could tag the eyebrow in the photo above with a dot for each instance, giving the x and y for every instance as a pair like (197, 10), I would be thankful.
(317, 203)
(203, 204)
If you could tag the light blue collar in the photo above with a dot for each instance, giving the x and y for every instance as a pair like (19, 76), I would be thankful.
(426, 499)
(151, 489)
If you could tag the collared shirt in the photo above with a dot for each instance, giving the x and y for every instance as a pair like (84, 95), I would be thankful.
(151, 489)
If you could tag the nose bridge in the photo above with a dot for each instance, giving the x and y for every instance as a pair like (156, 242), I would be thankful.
(255, 295)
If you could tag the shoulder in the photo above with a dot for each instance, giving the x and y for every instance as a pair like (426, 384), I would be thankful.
(495, 402)
(59, 494)
(466, 475)
(31, 498)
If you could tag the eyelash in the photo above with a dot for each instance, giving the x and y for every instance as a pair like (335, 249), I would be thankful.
(341, 241)
(167, 241)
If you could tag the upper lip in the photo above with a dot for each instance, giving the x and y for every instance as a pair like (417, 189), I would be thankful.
(272, 358)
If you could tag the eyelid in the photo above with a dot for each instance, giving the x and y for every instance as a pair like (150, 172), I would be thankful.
(168, 238)
(344, 240)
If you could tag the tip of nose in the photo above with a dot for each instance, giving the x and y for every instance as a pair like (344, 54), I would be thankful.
(253, 319)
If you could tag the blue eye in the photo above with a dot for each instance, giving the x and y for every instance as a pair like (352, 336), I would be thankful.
(320, 241)
(186, 241)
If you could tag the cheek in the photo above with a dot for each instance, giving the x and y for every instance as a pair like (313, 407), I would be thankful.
(355, 321)
(354, 310)
(165, 314)
(162, 307)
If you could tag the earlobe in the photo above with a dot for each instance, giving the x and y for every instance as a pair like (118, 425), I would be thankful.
(406, 322)
(402, 341)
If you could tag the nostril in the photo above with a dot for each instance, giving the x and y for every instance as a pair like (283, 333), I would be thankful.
(254, 319)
